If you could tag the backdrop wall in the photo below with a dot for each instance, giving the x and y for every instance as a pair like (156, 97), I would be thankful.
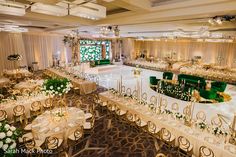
(223, 54)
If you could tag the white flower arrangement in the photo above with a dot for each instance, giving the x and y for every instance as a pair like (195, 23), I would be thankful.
(219, 131)
(8, 136)
(202, 125)
(56, 86)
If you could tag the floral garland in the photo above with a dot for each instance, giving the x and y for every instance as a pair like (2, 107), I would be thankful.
(56, 86)
(8, 136)
(219, 131)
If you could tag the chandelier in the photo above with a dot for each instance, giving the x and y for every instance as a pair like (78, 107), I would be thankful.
(110, 31)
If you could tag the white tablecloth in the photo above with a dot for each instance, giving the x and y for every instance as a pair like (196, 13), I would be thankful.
(29, 84)
(196, 137)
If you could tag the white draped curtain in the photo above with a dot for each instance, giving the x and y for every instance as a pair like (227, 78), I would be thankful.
(34, 47)
(223, 54)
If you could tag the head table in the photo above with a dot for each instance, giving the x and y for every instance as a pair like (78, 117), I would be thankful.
(196, 137)
(51, 124)
(85, 86)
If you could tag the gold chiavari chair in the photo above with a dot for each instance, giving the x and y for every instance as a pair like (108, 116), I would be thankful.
(25, 91)
(185, 147)
(167, 138)
(135, 93)
(35, 109)
(3, 115)
(153, 129)
(123, 89)
(201, 116)
(111, 107)
(78, 103)
(130, 118)
(15, 92)
(144, 96)
(153, 100)
(161, 155)
(88, 125)
(48, 104)
(61, 103)
(37, 89)
(163, 104)
(205, 152)
(33, 146)
(175, 107)
(140, 123)
(19, 112)
(76, 136)
(128, 91)
(53, 144)
(120, 113)
(216, 121)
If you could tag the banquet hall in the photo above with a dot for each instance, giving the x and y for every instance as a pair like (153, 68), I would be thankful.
(118, 78)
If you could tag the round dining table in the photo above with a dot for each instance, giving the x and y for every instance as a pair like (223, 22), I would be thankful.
(60, 123)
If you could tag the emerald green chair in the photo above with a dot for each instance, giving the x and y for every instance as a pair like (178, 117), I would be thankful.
(208, 94)
(192, 80)
(168, 75)
(102, 62)
(218, 86)
(153, 80)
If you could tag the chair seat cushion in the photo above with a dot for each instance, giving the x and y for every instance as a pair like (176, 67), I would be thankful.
(72, 136)
(87, 125)
(185, 149)
(28, 127)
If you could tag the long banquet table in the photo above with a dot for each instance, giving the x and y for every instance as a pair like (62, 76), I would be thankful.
(196, 137)
(25, 101)
(85, 86)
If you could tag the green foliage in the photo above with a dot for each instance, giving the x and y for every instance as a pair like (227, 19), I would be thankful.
(56, 86)
(91, 50)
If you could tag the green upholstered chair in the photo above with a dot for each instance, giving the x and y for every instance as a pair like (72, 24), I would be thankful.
(168, 75)
(218, 86)
(208, 94)
(192, 80)
(153, 80)
(102, 62)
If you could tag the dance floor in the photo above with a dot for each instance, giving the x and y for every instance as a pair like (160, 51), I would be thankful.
(109, 75)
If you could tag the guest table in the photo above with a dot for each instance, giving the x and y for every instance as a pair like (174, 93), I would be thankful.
(14, 72)
(196, 137)
(26, 101)
(4, 81)
(29, 84)
(57, 123)
(85, 86)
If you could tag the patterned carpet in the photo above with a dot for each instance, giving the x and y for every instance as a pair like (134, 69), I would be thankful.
(112, 137)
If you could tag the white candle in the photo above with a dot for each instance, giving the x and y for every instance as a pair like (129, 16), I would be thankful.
(234, 122)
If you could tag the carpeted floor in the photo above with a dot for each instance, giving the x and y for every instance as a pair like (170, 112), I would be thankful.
(113, 137)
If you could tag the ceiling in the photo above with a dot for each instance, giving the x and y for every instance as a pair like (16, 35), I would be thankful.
(135, 18)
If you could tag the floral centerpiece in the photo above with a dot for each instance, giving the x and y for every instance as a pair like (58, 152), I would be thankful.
(219, 131)
(202, 125)
(14, 57)
(56, 86)
(8, 136)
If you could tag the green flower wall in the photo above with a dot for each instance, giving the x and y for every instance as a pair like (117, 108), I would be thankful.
(92, 49)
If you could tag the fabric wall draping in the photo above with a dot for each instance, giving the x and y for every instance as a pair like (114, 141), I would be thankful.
(11, 43)
(40, 47)
(223, 54)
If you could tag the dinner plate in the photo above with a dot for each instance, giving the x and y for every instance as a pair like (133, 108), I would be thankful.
(231, 149)
(211, 140)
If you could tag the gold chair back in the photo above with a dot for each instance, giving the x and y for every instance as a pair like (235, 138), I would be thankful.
(123, 89)
(165, 135)
(175, 107)
(48, 103)
(144, 96)
(135, 93)
(160, 155)
(36, 106)
(216, 121)
(29, 143)
(3, 115)
(201, 116)
(51, 143)
(164, 103)
(78, 133)
(19, 110)
(153, 100)
(151, 127)
(25, 91)
(205, 152)
(128, 91)
(130, 117)
(184, 143)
